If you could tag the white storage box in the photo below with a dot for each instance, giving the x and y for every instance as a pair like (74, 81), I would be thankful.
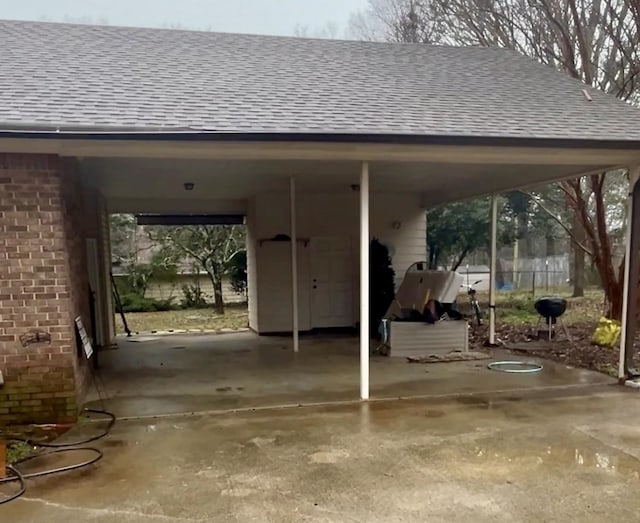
(417, 339)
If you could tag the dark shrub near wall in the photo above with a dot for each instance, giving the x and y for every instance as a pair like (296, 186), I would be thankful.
(381, 283)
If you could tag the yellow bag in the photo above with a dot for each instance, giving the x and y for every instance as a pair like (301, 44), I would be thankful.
(606, 333)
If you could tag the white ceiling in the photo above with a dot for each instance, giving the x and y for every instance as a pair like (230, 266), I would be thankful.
(145, 182)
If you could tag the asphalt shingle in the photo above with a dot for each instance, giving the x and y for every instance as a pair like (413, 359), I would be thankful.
(113, 78)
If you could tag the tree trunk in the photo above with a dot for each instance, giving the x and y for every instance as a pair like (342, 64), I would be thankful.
(578, 273)
(461, 258)
(614, 299)
(218, 301)
(578, 261)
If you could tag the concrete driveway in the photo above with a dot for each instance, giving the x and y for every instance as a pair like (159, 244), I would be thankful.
(152, 375)
(479, 458)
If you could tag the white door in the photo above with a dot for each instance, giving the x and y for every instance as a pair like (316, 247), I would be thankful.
(331, 282)
(275, 296)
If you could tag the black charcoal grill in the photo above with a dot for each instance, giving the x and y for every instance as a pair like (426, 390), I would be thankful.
(550, 308)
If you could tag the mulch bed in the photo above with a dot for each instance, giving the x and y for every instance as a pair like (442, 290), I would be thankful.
(579, 352)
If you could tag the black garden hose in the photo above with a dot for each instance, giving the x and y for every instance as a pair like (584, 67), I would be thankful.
(112, 420)
(97, 457)
(17, 476)
(56, 448)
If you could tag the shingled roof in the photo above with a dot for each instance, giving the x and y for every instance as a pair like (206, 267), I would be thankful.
(103, 78)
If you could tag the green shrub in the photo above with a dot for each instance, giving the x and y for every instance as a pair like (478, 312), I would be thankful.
(238, 273)
(193, 297)
(132, 302)
(164, 305)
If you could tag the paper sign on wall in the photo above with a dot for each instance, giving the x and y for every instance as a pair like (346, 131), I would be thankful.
(84, 337)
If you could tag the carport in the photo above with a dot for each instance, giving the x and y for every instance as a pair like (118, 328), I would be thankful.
(295, 134)
(289, 172)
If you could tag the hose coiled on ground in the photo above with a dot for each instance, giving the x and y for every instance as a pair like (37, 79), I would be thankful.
(56, 448)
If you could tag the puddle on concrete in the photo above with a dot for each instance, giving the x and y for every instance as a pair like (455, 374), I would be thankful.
(604, 460)
(565, 452)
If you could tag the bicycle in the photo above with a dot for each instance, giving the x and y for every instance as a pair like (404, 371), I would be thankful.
(473, 300)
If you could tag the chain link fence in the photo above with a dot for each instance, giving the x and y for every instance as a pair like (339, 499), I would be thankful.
(533, 280)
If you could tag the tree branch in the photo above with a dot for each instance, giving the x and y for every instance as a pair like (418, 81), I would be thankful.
(559, 221)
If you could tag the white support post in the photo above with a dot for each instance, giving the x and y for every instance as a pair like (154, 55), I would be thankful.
(492, 270)
(364, 282)
(294, 265)
(634, 174)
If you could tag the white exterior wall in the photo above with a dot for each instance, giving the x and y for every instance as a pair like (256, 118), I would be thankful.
(252, 275)
(396, 219)
(408, 243)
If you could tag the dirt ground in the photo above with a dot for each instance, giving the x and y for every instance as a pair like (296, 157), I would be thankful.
(518, 326)
(577, 352)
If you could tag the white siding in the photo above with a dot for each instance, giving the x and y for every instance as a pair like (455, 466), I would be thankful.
(396, 219)
(408, 243)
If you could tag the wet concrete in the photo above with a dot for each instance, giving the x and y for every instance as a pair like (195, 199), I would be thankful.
(243, 371)
(493, 458)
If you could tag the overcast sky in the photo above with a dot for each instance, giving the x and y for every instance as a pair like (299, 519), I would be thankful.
(280, 17)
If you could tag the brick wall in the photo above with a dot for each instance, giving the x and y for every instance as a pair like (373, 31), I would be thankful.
(78, 218)
(42, 288)
(104, 240)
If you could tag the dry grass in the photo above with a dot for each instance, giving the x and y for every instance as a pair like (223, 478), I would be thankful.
(235, 317)
(513, 308)
(516, 307)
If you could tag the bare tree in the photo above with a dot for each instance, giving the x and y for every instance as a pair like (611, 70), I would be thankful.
(595, 41)
(212, 247)
(396, 21)
(327, 31)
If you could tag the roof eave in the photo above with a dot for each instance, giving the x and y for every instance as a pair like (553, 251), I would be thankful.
(319, 137)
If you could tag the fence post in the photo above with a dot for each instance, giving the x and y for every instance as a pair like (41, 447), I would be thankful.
(533, 285)
(546, 272)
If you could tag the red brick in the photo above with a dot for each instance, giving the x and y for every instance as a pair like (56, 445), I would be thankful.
(43, 224)
(31, 403)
